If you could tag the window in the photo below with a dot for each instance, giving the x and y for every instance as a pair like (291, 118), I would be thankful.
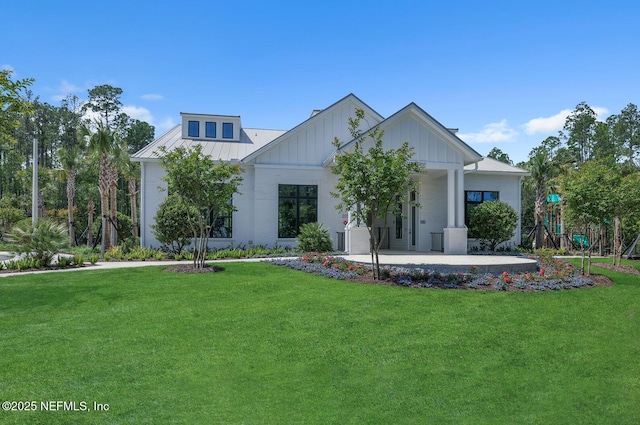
(297, 205)
(194, 129)
(399, 219)
(222, 225)
(474, 198)
(227, 130)
(210, 129)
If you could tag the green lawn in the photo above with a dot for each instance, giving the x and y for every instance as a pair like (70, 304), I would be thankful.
(260, 344)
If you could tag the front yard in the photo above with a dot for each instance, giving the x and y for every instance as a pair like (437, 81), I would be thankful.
(263, 344)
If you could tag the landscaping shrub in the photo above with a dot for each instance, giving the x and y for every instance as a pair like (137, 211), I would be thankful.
(492, 223)
(42, 241)
(172, 228)
(314, 237)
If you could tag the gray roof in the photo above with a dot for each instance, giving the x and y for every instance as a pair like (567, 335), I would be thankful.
(251, 139)
(490, 166)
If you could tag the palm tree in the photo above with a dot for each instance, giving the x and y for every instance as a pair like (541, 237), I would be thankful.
(541, 168)
(131, 171)
(101, 143)
(69, 160)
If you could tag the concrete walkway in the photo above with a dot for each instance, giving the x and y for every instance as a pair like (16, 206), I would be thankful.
(437, 262)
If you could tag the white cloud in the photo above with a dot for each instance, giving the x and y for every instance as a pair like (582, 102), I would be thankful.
(165, 125)
(556, 122)
(152, 96)
(497, 132)
(138, 113)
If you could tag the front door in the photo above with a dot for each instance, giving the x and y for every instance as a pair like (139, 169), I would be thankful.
(413, 222)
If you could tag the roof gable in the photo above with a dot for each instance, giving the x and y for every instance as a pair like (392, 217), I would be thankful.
(435, 145)
(312, 140)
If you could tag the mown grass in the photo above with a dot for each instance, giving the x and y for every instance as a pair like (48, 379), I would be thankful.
(263, 344)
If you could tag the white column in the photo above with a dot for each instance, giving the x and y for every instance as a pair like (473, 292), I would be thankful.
(451, 199)
(460, 203)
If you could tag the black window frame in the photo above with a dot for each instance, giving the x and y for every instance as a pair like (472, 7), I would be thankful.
(195, 133)
(305, 194)
(207, 126)
(226, 127)
(484, 197)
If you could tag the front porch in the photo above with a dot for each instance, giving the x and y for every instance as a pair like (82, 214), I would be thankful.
(432, 219)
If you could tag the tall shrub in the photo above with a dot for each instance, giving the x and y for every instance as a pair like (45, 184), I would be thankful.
(492, 223)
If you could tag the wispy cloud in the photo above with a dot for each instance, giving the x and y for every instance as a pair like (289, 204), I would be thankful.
(165, 125)
(64, 89)
(138, 113)
(152, 96)
(556, 122)
(498, 132)
(7, 67)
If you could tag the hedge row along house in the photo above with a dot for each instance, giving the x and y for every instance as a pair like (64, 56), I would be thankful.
(288, 179)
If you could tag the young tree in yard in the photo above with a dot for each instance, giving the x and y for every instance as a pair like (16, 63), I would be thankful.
(371, 184)
(204, 183)
(600, 191)
(492, 223)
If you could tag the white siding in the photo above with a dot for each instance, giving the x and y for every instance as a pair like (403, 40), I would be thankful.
(313, 143)
(151, 197)
(507, 186)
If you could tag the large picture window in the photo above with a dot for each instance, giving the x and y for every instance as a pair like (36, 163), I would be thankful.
(297, 205)
(222, 225)
(473, 198)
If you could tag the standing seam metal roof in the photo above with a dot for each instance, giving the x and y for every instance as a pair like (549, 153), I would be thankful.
(251, 139)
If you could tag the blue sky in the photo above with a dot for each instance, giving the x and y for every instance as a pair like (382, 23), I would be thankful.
(505, 73)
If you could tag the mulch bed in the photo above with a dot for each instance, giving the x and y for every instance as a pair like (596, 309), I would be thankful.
(598, 280)
(188, 268)
(621, 269)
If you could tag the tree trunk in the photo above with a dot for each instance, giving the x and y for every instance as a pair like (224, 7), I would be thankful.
(540, 205)
(134, 206)
(71, 193)
(91, 209)
(113, 191)
(103, 186)
(617, 241)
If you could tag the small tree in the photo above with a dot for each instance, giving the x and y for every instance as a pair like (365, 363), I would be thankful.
(492, 223)
(204, 183)
(374, 183)
(172, 228)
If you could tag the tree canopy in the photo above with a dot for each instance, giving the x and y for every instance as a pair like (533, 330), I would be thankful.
(206, 184)
(372, 181)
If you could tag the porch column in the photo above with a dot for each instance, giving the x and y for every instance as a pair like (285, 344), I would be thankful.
(455, 234)
(460, 188)
(451, 199)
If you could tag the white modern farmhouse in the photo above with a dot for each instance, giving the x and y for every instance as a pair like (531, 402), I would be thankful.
(288, 179)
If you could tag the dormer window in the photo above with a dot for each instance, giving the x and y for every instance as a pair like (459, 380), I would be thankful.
(227, 130)
(194, 129)
(210, 130)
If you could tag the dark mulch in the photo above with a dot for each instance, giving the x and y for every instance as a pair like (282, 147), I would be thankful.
(188, 268)
(621, 269)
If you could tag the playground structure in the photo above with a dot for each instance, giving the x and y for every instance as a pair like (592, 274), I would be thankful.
(558, 238)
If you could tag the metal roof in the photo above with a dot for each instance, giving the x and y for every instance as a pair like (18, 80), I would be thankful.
(251, 139)
(489, 166)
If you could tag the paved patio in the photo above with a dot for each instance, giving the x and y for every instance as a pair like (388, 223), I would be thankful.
(451, 263)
